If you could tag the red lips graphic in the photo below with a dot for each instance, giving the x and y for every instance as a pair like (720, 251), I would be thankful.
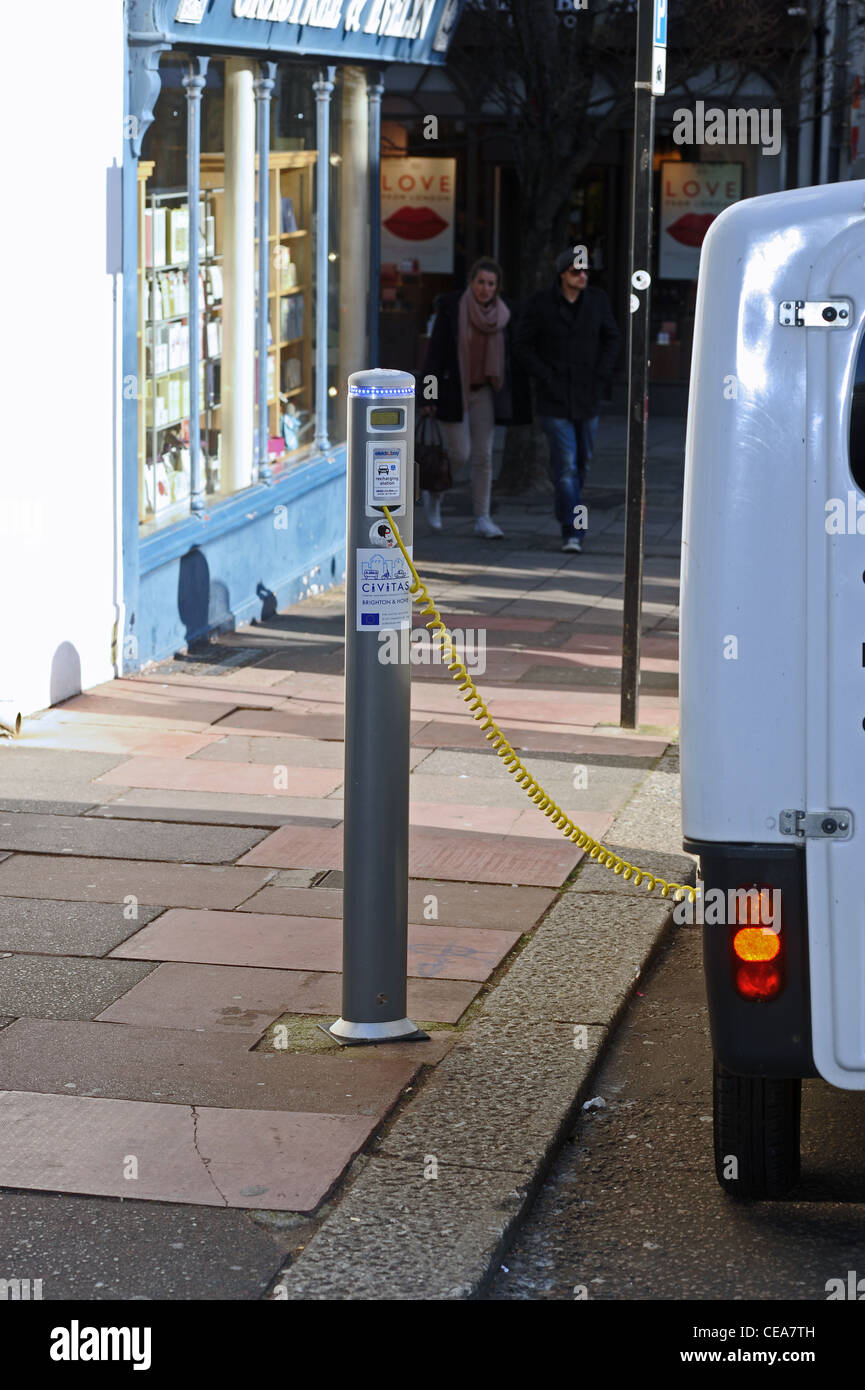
(415, 224)
(691, 229)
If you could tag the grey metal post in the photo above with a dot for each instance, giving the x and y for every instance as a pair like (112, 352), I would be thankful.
(323, 89)
(194, 82)
(375, 92)
(377, 711)
(638, 371)
(263, 87)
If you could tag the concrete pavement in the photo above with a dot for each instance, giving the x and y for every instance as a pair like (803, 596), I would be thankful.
(170, 902)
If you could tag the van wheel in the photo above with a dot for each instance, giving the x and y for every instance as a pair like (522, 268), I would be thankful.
(756, 1122)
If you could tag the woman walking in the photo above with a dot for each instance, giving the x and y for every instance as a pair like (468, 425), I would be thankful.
(469, 354)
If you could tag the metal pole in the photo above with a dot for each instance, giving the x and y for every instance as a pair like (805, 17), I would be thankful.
(263, 87)
(638, 375)
(194, 83)
(323, 89)
(374, 91)
(380, 453)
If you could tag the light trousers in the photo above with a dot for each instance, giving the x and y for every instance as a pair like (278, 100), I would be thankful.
(469, 442)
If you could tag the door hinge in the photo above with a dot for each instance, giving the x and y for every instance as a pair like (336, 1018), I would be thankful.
(815, 313)
(834, 824)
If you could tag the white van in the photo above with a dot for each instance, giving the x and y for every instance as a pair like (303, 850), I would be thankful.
(772, 653)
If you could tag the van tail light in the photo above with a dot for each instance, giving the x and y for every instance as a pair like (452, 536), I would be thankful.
(758, 942)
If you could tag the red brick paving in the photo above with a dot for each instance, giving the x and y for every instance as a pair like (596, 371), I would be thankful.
(244, 1000)
(307, 943)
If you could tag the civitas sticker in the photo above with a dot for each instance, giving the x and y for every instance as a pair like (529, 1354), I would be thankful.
(383, 591)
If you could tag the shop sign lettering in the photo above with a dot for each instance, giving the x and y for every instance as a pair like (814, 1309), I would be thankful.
(394, 19)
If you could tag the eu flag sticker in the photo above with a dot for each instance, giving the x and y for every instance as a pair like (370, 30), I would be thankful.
(369, 619)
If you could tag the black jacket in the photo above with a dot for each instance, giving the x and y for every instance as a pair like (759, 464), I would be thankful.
(571, 352)
(512, 402)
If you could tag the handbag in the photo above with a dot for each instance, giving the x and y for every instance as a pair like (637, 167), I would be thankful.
(431, 456)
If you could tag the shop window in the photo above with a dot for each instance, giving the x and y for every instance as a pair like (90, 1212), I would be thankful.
(165, 227)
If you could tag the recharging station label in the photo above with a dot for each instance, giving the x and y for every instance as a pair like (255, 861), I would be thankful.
(383, 591)
(385, 464)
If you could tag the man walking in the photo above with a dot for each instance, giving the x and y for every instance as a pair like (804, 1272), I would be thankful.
(568, 339)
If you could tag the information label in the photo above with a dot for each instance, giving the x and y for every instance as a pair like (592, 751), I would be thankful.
(385, 464)
(383, 585)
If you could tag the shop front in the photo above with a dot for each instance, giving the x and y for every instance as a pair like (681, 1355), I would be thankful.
(250, 284)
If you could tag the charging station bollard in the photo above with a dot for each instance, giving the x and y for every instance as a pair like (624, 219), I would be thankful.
(377, 711)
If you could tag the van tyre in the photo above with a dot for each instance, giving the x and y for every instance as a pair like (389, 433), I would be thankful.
(756, 1123)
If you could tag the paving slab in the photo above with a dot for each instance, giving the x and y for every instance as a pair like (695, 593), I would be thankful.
(118, 719)
(72, 879)
(492, 622)
(173, 690)
(41, 926)
(219, 808)
(291, 752)
(81, 835)
(32, 775)
(313, 724)
(48, 807)
(189, 774)
(107, 738)
(600, 645)
(597, 788)
(59, 987)
(535, 825)
(246, 680)
(432, 854)
(533, 738)
(582, 678)
(274, 1160)
(281, 722)
(180, 713)
(91, 1249)
(244, 1001)
(185, 1068)
(482, 905)
(293, 879)
(307, 943)
(463, 817)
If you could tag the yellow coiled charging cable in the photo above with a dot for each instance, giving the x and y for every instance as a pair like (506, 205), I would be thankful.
(504, 749)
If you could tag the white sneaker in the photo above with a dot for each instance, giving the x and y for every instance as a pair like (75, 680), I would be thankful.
(432, 507)
(488, 529)
(573, 545)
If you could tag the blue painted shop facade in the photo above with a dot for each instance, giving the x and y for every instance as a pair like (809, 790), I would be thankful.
(225, 522)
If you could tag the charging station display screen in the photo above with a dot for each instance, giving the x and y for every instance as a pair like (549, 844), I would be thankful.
(387, 417)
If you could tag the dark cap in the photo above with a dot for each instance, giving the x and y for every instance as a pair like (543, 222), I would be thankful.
(564, 259)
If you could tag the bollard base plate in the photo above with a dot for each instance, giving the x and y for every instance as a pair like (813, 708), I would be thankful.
(361, 1034)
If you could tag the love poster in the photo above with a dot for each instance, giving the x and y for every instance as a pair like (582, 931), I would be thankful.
(692, 195)
(417, 212)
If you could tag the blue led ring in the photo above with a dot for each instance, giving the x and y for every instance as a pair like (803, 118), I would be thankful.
(381, 390)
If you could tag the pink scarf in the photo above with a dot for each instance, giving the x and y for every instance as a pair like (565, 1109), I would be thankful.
(488, 320)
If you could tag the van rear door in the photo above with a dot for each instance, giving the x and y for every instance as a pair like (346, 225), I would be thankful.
(834, 593)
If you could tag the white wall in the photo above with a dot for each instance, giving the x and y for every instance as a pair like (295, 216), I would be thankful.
(61, 113)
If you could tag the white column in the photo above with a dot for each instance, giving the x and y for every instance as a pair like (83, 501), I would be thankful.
(353, 234)
(323, 89)
(238, 270)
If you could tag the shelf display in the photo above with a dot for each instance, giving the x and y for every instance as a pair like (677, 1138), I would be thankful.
(164, 340)
(290, 315)
(164, 453)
